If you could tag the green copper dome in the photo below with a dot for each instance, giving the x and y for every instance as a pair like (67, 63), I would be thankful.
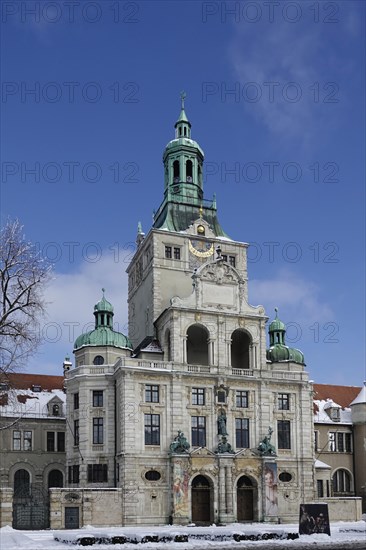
(278, 351)
(103, 334)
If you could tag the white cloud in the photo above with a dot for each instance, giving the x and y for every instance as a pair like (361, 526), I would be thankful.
(298, 300)
(282, 53)
(71, 298)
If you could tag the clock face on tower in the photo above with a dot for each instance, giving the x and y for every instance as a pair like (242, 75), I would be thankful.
(201, 249)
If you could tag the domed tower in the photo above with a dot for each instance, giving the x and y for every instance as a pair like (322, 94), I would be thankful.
(278, 352)
(358, 408)
(102, 345)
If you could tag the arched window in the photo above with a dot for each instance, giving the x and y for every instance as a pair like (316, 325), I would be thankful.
(199, 175)
(55, 479)
(21, 483)
(176, 171)
(197, 345)
(240, 345)
(341, 482)
(98, 360)
(189, 171)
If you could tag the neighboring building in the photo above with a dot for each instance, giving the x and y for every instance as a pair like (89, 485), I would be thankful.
(200, 366)
(32, 444)
(339, 441)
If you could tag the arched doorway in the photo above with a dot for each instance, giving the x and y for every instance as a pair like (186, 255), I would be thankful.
(245, 499)
(201, 500)
(197, 345)
(21, 484)
(30, 503)
(55, 479)
(240, 346)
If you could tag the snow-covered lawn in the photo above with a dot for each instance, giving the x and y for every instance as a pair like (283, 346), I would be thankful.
(343, 535)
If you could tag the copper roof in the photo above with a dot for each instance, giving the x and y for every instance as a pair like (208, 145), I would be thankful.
(342, 395)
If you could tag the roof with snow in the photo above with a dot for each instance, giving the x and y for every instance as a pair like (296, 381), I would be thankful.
(32, 396)
(329, 397)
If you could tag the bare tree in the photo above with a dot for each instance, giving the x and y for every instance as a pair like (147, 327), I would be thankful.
(23, 276)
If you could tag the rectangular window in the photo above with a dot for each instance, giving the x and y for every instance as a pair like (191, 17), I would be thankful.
(76, 432)
(198, 431)
(17, 440)
(283, 434)
(74, 476)
(232, 260)
(76, 401)
(198, 396)
(340, 442)
(151, 393)
(224, 257)
(22, 441)
(284, 401)
(97, 431)
(176, 253)
(56, 442)
(97, 473)
(168, 252)
(60, 442)
(319, 486)
(152, 429)
(242, 399)
(27, 441)
(97, 398)
(51, 442)
(221, 397)
(316, 440)
(242, 432)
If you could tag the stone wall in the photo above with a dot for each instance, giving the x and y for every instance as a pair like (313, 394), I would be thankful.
(343, 509)
(6, 506)
(97, 507)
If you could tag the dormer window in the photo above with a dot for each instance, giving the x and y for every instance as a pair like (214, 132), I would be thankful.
(56, 410)
(36, 388)
(335, 414)
(333, 410)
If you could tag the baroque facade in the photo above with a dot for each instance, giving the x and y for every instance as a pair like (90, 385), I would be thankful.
(192, 417)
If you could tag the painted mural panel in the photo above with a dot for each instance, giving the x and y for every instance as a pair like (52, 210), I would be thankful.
(270, 486)
(180, 489)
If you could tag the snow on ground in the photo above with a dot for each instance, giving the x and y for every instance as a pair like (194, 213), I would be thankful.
(344, 535)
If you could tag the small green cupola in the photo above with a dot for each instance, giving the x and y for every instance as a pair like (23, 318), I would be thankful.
(103, 333)
(278, 351)
(103, 313)
(182, 126)
(276, 331)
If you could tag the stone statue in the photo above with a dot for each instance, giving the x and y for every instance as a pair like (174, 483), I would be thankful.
(221, 424)
(180, 444)
(265, 447)
(224, 446)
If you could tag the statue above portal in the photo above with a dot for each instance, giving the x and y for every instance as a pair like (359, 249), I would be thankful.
(265, 447)
(180, 444)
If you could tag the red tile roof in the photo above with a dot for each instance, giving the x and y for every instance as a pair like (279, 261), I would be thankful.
(22, 381)
(342, 395)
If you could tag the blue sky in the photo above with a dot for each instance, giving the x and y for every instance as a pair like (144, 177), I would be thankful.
(276, 97)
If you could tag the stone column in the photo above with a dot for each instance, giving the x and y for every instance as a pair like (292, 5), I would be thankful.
(184, 340)
(6, 506)
(222, 492)
(229, 490)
